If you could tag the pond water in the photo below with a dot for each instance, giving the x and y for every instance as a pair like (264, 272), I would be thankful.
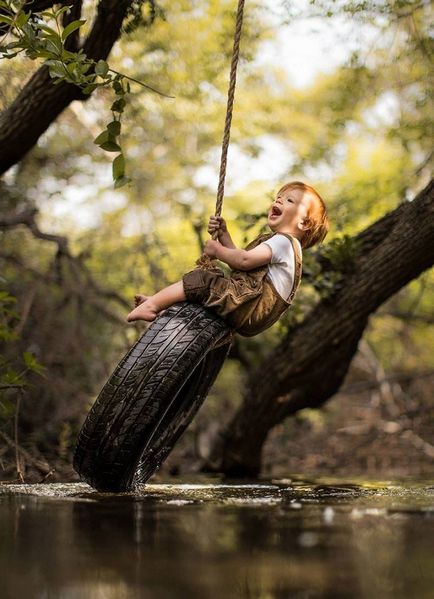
(208, 539)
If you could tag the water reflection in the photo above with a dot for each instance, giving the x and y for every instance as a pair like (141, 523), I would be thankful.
(284, 539)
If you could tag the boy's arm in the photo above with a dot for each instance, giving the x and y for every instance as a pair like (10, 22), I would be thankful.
(226, 240)
(217, 223)
(239, 259)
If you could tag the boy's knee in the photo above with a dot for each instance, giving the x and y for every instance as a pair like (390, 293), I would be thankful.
(195, 287)
(199, 283)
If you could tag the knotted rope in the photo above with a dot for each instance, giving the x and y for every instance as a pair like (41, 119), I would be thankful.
(204, 261)
(229, 108)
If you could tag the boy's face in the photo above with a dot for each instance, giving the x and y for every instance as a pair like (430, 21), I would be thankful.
(288, 211)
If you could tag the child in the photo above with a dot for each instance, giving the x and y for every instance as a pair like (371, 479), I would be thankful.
(264, 276)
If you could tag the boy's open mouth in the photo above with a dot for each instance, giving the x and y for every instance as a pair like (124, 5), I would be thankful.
(275, 211)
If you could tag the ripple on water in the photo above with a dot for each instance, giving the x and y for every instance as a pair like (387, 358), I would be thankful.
(364, 499)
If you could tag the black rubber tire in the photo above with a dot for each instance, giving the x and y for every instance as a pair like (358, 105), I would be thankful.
(151, 397)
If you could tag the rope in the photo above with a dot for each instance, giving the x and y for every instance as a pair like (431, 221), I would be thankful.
(229, 107)
(204, 261)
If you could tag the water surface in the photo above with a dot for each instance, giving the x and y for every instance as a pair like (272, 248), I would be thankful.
(285, 538)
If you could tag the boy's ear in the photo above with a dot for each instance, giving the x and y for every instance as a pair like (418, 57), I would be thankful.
(304, 224)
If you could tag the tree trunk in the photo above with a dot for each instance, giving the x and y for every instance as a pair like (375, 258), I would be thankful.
(310, 363)
(40, 101)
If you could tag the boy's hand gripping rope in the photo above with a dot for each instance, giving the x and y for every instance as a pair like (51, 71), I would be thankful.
(204, 261)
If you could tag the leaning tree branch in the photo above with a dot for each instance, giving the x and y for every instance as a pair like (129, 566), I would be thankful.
(310, 363)
(27, 218)
(40, 101)
(82, 276)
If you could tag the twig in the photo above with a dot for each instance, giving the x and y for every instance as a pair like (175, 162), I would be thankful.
(17, 456)
(419, 443)
(44, 478)
(17, 386)
(142, 84)
(26, 310)
(44, 468)
(360, 386)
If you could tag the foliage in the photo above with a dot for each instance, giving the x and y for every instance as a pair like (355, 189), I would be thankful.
(15, 367)
(41, 37)
(326, 267)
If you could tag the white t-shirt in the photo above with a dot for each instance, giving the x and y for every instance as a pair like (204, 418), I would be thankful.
(281, 269)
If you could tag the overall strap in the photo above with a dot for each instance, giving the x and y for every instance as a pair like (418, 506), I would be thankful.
(298, 265)
(298, 269)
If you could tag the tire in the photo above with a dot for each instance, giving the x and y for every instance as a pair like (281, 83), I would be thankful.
(151, 398)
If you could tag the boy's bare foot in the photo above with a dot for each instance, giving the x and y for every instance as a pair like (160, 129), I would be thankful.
(139, 299)
(145, 310)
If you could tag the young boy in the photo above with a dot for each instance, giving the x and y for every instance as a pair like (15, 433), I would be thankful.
(264, 276)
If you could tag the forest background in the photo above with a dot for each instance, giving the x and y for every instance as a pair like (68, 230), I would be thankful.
(359, 129)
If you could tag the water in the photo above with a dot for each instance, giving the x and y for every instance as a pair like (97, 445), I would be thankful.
(264, 540)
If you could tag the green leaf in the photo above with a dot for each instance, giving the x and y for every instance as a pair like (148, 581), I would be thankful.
(117, 86)
(46, 54)
(118, 105)
(102, 138)
(13, 45)
(71, 68)
(121, 182)
(54, 45)
(8, 407)
(8, 56)
(110, 146)
(71, 56)
(5, 19)
(59, 12)
(29, 359)
(72, 27)
(101, 68)
(30, 32)
(47, 14)
(114, 128)
(57, 69)
(6, 297)
(82, 68)
(89, 88)
(118, 167)
(49, 31)
(32, 363)
(21, 19)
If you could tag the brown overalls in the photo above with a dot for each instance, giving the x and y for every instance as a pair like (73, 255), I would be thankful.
(247, 300)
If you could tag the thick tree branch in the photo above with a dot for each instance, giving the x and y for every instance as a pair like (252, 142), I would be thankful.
(310, 364)
(73, 41)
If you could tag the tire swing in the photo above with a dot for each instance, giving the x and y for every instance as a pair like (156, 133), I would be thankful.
(157, 388)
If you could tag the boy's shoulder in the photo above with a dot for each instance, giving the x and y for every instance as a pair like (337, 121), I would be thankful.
(291, 238)
(267, 236)
(282, 247)
(258, 240)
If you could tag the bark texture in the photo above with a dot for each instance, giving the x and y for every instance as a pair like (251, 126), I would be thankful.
(309, 365)
(40, 101)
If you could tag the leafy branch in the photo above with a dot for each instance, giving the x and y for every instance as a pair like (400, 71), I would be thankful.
(40, 36)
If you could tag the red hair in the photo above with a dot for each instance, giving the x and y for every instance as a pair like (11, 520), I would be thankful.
(316, 222)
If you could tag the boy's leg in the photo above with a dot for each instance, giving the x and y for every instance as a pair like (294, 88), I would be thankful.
(150, 308)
